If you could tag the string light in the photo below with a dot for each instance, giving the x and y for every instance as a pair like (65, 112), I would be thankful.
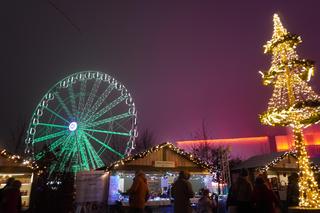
(293, 103)
(168, 145)
(18, 159)
(276, 160)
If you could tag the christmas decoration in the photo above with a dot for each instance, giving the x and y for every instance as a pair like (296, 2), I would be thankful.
(19, 160)
(315, 167)
(293, 102)
(173, 148)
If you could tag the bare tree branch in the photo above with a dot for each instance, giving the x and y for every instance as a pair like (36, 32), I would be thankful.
(144, 141)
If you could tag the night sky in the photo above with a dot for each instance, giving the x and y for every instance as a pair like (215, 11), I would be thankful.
(182, 61)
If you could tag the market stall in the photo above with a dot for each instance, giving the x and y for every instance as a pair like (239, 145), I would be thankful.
(277, 166)
(14, 166)
(161, 165)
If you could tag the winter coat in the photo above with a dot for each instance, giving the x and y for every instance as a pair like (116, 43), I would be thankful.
(263, 199)
(138, 192)
(293, 194)
(244, 190)
(244, 195)
(182, 191)
(11, 200)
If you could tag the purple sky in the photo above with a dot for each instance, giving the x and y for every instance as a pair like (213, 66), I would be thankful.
(182, 61)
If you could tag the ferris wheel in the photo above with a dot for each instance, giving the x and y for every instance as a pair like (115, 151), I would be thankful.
(86, 121)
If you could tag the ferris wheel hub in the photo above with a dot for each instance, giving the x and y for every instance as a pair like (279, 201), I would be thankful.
(73, 126)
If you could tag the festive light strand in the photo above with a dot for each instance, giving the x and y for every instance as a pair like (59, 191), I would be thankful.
(19, 160)
(293, 103)
(172, 147)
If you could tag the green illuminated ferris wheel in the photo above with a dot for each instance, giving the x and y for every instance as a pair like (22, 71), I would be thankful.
(86, 121)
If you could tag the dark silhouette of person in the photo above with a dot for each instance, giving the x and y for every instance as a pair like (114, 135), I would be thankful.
(232, 199)
(263, 199)
(244, 192)
(293, 190)
(181, 191)
(205, 204)
(138, 193)
(9, 182)
(12, 198)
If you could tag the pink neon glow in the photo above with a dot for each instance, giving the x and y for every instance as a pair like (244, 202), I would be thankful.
(240, 147)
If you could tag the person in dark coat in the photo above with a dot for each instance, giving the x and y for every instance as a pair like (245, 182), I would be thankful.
(264, 200)
(138, 193)
(232, 200)
(8, 185)
(12, 198)
(293, 190)
(244, 192)
(181, 191)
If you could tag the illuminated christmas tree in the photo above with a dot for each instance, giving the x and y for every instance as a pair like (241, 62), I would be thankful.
(293, 102)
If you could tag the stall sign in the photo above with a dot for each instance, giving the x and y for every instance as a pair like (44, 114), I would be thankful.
(90, 186)
(290, 165)
(166, 164)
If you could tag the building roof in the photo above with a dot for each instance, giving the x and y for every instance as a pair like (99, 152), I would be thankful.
(170, 146)
(259, 160)
(264, 162)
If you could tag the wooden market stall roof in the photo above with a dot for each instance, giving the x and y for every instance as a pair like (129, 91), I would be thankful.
(276, 161)
(165, 156)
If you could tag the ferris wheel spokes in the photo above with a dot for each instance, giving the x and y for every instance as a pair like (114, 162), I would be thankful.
(99, 102)
(107, 108)
(107, 132)
(96, 157)
(108, 120)
(56, 114)
(73, 101)
(90, 99)
(48, 137)
(63, 105)
(105, 145)
(52, 125)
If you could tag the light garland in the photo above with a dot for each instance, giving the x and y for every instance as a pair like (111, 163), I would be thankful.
(276, 160)
(18, 159)
(293, 103)
(172, 147)
(315, 168)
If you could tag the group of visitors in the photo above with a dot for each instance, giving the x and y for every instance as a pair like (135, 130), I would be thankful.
(181, 192)
(243, 197)
(10, 197)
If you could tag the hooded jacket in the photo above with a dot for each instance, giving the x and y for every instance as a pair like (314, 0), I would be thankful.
(138, 192)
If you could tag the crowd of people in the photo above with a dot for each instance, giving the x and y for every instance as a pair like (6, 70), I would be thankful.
(242, 196)
(181, 192)
(10, 197)
(245, 197)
